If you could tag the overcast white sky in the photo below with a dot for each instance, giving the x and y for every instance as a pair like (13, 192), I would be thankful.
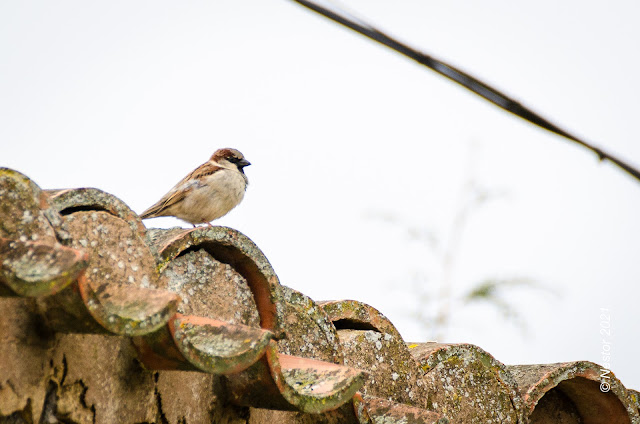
(130, 96)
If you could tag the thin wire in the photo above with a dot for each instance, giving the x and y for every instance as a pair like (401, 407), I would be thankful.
(469, 82)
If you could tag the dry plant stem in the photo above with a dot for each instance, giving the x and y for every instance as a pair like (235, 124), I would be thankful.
(443, 316)
(467, 81)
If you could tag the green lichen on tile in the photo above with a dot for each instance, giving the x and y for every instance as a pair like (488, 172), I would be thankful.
(21, 209)
(359, 316)
(635, 397)
(312, 390)
(310, 333)
(158, 238)
(210, 289)
(220, 348)
(536, 380)
(392, 371)
(97, 200)
(233, 248)
(385, 411)
(468, 385)
(130, 311)
(38, 269)
(117, 254)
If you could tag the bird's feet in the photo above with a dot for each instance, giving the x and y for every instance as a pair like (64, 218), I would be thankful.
(207, 224)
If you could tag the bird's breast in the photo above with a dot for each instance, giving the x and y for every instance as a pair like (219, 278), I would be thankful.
(214, 196)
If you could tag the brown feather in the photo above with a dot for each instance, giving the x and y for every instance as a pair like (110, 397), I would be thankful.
(226, 153)
(179, 191)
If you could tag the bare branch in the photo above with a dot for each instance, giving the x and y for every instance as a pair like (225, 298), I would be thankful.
(471, 83)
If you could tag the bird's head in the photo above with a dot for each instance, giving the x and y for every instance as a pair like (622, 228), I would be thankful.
(230, 156)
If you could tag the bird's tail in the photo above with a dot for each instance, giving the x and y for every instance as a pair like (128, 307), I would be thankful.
(153, 212)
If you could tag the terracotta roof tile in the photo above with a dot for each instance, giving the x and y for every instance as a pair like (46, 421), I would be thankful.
(35, 268)
(310, 332)
(635, 397)
(230, 247)
(467, 384)
(102, 319)
(384, 411)
(581, 384)
(218, 347)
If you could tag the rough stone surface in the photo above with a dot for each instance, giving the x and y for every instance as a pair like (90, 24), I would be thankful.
(24, 355)
(313, 386)
(555, 408)
(635, 397)
(382, 411)
(237, 250)
(255, 387)
(581, 383)
(466, 384)
(91, 199)
(343, 415)
(158, 351)
(159, 239)
(37, 268)
(116, 253)
(116, 384)
(199, 399)
(93, 378)
(118, 258)
(211, 289)
(392, 371)
(286, 382)
(23, 209)
(309, 332)
(354, 315)
(218, 347)
(66, 312)
(126, 310)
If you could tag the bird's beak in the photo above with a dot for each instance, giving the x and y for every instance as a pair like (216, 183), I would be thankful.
(244, 163)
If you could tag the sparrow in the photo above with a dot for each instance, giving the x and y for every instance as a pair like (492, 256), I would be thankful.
(207, 193)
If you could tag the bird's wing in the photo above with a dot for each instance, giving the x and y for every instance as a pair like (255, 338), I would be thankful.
(180, 190)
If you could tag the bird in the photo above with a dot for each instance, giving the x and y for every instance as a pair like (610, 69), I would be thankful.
(207, 193)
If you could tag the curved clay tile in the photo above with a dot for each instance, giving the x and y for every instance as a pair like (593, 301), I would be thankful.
(355, 315)
(208, 288)
(217, 347)
(574, 390)
(38, 268)
(226, 260)
(377, 410)
(69, 201)
(128, 311)
(24, 209)
(288, 382)
(467, 384)
(310, 333)
(370, 342)
(217, 329)
(115, 288)
(33, 262)
(313, 386)
(233, 248)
